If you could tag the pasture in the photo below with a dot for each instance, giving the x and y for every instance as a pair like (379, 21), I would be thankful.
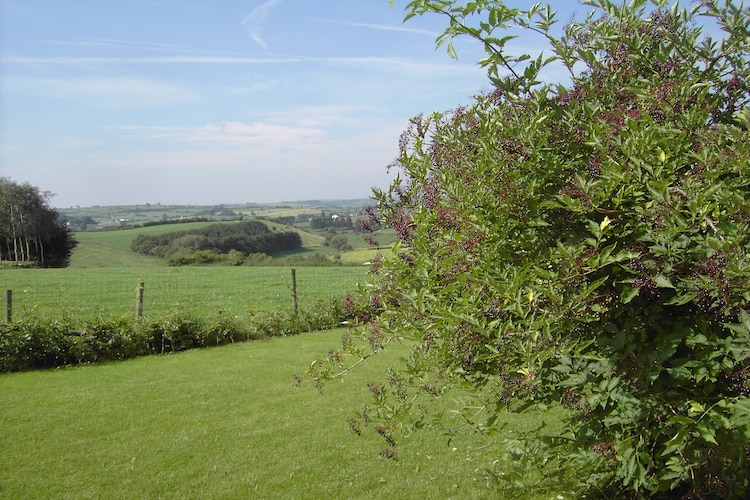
(112, 248)
(104, 273)
(84, 294)
(98, 249)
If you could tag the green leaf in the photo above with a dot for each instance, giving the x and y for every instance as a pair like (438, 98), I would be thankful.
(677, 442)
(594, 286)
(629, 294)
(662, 281)
(695, 340)
(740, 416)
(452, 51)
(682, 299)
(707, 432)
(682, 419)
(696, 407)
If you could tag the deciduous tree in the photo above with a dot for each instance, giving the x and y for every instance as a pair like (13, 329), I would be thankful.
(31, 231)
(585, 243)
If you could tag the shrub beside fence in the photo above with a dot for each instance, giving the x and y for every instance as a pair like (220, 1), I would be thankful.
(33, 344)
(75, 316)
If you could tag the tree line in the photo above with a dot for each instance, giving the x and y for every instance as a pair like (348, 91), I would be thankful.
(246, 237)
(331, 222)
(31, 232)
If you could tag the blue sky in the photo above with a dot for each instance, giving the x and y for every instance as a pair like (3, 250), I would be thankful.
(217, 101)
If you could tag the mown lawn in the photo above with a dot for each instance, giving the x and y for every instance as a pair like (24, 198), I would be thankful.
(224, 422)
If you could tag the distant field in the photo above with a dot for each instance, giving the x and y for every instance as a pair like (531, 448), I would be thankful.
(286, 212)
(110, 216)
(363, 256)
(104, 272)
(88, 293)
(112, 248)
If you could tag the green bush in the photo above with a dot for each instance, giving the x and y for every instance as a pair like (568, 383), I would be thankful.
(244, 237)
(32, 344)
(29, 345)
(109, 340)
(223, 329)
(323, 314)
(586, 245)
(175, 332)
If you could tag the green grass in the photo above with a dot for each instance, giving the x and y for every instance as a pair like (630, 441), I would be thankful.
(109, 249)
(88, 293)
(104, 272)
(217, 423)
(112, 248)
(364, 255)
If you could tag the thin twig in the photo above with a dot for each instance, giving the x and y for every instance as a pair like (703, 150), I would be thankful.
(713, 226)
(361, 360)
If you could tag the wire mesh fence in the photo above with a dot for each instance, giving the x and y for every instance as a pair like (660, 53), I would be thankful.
(90, 293)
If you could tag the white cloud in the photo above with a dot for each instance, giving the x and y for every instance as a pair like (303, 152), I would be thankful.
(222, 162)
(109, 91)
(256, 137)
(253, 22)
(249, 172)
(259, 136)
(194, 59)
(320, 116)
(383, 64)
(120, 44)
(385, 27)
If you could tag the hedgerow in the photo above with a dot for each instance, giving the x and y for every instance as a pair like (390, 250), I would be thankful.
(31, 344)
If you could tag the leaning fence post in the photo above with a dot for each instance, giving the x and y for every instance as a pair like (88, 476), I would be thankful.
(139, 300)
(8, 306)
(294, 291)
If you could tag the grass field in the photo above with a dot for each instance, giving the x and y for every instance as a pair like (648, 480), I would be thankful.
(215, 423)
(108, 216)
(220, 423)
(364, 255)
(88, 293)
(112, 248)
(104, 272)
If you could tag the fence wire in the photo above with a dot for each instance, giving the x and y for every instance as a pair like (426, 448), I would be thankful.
(90, 293)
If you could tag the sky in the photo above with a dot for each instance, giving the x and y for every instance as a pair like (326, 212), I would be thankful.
(207, 102)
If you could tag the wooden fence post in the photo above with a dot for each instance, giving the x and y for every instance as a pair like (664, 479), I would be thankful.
(139, 300)
(8, 306)
(294, 291)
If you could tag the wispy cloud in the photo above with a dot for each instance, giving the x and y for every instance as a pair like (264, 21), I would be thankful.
(83, 61)
(386, 64)
(113, 43)
(342, 115)
(384, 27)
(253, 22)
(113, 92)
(258, 136)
